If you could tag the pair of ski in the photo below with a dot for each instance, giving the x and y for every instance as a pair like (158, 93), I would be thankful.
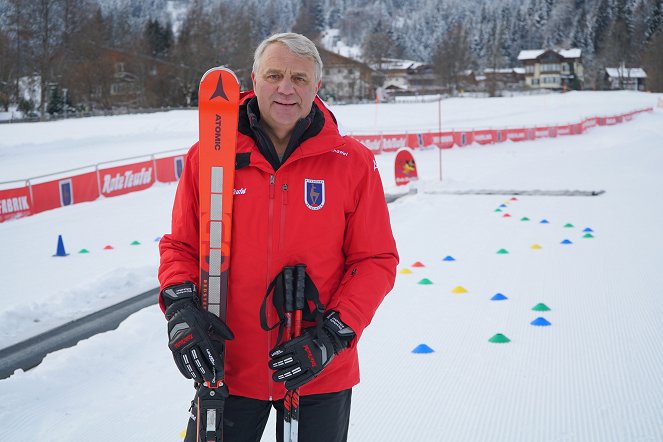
(218, 112)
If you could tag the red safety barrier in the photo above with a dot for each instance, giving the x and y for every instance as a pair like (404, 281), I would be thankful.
(443, 140)
(485, 136)
(169, 169)
(64, 192)
(15, 203)
(589, 122)
(373, 142)
(391, 143)
(564, 130)
(542, 132)
(119, 180)
(516, 134)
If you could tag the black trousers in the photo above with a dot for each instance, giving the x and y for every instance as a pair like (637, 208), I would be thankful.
(322, 418)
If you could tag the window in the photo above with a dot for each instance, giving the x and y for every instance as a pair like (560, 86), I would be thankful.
(550, 80)
(535, 81)
(550, 67)
(529, 69)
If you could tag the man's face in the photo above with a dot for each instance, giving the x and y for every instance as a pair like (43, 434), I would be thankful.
(285, 87)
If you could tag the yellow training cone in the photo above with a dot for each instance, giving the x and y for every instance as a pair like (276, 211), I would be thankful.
(405, 271)
(535, 246)
(459, 289)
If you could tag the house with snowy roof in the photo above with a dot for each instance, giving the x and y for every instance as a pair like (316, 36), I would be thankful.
(407, 76)
(554, 69)
(626, 78)
(345, 79)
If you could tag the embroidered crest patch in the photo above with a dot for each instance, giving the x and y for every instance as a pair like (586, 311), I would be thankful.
(314, 193)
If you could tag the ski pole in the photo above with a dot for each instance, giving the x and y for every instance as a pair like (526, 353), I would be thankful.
(289, 307)
(300, 300)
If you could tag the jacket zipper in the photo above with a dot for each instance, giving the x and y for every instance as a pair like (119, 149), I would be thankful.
(284, 203)
(272, 185)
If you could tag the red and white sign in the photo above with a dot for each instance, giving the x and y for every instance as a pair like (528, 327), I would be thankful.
(444, 140)
(393, 142)
(405, 168)
(14, 203)
(516, 134)
(373, 142)
(124, 179)
(485, 136)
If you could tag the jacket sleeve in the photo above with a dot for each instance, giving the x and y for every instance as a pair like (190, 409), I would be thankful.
(370, 252)
(179, 249)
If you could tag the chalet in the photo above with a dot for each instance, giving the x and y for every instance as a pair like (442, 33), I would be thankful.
(345, 79)
(552, 69)
(407, 76)
(504, 78)
(626, 78)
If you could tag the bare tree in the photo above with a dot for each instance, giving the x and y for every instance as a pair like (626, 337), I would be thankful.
(653, 63)
(452, 57)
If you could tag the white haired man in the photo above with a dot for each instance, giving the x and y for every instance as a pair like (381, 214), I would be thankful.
(305, 195)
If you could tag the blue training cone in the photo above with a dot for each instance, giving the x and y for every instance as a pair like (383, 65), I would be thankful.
(422, 348)
(60, 250)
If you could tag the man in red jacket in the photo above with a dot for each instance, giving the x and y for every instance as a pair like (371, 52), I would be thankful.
(304, 194)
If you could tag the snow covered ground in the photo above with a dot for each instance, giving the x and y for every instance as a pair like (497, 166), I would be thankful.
(593, 374)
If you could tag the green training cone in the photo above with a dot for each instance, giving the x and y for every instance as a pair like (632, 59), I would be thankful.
(541, 307)
(499, 339)
(425, 281)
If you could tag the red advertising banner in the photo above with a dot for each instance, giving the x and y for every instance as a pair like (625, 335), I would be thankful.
(444, 140)
(15, 203)
(577, 128)
(85, 188)
(589, 122)
(542, 132)
(415, 141)
(169, 169)
(405, 169)
(516, 134)
(373, 142)
(124, 179)
(610, 121)
(463, 138)
(393, 142)
(485, 136)
(564, 130)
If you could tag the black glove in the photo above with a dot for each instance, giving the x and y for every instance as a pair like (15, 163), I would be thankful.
(301, 359)
(196, 337)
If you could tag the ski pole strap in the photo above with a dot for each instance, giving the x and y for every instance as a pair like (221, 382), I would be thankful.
(277, 289)
(210, 404)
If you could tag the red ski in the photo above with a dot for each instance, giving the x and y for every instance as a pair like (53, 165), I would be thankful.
(218, 111)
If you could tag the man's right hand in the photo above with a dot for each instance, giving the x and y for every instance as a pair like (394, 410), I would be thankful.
(196, 337)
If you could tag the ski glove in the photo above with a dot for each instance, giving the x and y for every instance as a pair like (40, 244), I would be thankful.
(302, 358)
(196, 337)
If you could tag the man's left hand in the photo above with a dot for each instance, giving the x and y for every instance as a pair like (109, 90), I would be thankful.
(302, 358)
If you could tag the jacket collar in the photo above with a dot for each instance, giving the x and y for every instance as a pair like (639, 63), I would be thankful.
(315, 134)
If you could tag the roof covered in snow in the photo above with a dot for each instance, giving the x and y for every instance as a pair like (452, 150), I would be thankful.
(624, 72)
(532, 54)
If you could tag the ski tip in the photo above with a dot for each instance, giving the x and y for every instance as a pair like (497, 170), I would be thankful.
(216, 69)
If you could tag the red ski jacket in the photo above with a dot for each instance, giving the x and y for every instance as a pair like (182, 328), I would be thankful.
(342, 233)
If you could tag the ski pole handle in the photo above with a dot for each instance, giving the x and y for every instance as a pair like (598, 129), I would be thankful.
(300, 299)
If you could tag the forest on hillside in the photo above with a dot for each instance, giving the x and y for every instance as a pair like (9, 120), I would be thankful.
(78, 49)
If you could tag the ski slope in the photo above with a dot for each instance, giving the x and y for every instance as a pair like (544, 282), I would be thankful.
(592, 375)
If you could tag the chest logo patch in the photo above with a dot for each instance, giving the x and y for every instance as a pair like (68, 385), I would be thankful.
(314, 193)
